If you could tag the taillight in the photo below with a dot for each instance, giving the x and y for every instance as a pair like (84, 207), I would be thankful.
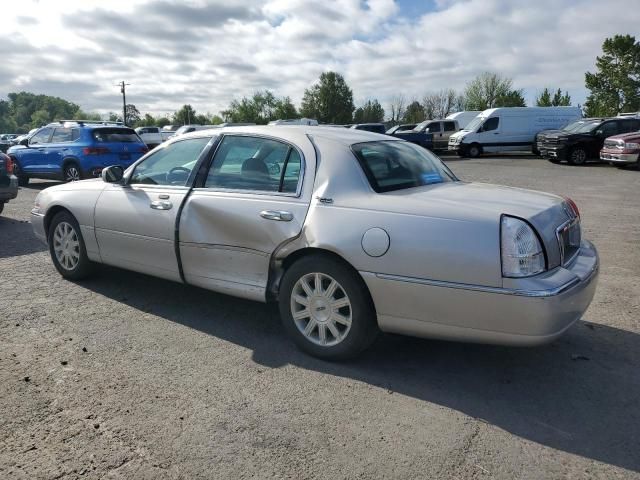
(573, 206)
(95, 150)
(9, 166)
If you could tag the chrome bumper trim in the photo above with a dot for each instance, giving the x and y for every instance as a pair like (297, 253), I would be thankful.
(497, 290)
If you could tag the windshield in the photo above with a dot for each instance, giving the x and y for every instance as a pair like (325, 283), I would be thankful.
(391, 165)
(107, 135)
(573, 126)
(473, 124)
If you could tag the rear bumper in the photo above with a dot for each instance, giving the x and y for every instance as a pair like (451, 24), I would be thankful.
(621, 158)
(10, 191)
(506, 316)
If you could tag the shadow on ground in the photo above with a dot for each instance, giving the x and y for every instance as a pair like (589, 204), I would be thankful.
(580, 394)
(17, 238)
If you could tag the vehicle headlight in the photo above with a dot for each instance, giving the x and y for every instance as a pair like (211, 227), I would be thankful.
(632, 146)
(522, 254)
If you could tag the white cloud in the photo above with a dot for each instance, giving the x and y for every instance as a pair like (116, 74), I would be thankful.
(208, 52)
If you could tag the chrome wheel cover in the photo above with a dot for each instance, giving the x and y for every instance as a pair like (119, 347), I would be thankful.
(66, 246)
(321, 309)
(71, 174)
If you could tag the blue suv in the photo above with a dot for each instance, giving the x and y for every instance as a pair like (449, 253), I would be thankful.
(71, 150)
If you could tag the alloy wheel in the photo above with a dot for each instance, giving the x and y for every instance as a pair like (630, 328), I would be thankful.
(578, 156)
(71, 174)
(321, 309)
(66, 246)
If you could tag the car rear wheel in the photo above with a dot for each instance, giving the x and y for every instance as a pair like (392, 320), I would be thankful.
(578, 156)
(326, 309)
(71, 172)
(67, 247)
(474, 150)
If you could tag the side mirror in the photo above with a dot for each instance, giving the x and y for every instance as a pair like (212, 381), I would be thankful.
(112, 174)
(25, 142)
(600, 133)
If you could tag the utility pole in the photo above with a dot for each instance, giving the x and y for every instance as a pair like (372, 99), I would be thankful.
(122, 86)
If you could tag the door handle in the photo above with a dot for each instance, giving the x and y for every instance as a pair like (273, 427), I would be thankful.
(278, 215)
(161, 205)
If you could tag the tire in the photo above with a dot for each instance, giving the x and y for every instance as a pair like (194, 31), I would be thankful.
(1, 207)
(71, 172)
(577, 156)
(23, 180)
(70, 260)
(345, 314)
(474, 150)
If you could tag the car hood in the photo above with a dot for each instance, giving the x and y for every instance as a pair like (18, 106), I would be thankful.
(482, 203)
(89, 184)
(634, 136)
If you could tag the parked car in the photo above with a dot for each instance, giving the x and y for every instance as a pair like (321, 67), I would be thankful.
(538, 140)
(622, 150)
(509, 129)
(369, 127)
(8, 181)
(463, 118)
(71, 150)
(405, 127)
(5, 143)
(436, 132)
(584, 143)
(379, 234)
(152, 136)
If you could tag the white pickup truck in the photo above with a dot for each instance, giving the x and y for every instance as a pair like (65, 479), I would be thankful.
(153, 136)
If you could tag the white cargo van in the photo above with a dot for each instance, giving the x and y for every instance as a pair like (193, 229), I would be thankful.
(463, 118)
(509, 129)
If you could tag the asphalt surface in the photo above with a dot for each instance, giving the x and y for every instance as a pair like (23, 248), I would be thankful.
(127, 376)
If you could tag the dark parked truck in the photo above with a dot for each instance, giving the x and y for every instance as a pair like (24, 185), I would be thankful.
(584, 143)
(428, 134)
(622, 150)
(540, 137)
(8, 181)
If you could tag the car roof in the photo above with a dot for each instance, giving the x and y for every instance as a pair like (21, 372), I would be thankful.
(345, 136)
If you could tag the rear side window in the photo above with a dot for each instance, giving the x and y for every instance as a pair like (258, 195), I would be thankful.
(259, 164)
(115, 135)
(61, 135)
(391, 165)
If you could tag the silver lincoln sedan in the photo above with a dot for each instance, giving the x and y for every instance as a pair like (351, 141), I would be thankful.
(351, 232)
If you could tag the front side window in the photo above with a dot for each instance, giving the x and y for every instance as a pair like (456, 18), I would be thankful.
(171, 165)
(391, 165)
(41, 136)
(490, 124)
(250, 163)
(449, 126)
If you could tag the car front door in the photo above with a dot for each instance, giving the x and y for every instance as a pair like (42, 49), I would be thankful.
(250, 202)
(34, 158)
(489, 135)
(435, 128)
(135, 222)
(448, 128)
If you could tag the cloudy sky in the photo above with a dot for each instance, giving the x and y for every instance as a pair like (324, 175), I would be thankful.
(207, 53)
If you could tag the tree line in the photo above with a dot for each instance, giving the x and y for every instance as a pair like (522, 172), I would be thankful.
(614, 87)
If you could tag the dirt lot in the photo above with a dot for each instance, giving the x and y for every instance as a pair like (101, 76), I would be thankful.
(127, 376)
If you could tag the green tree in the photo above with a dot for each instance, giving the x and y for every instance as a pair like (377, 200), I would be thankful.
(185, 116)
(216, 120)
(23, 106)
(260, 108)
(285, 109)
(370, 112)
(489, 90)
(7, 123)
(132, 113)
(330, 100)
(162, 121)
(615, 87)
(414, 113)
(559, 99)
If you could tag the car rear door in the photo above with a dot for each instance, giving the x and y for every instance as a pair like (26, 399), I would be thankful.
(60, 147)
(250, 202)
(135, 222)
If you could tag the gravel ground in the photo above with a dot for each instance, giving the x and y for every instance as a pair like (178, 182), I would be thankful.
(127, 376)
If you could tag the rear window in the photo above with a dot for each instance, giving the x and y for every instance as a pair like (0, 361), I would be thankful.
(115, 135)
(391, 165)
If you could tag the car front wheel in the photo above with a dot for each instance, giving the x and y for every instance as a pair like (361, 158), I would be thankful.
(326, 309)
(67, 247)
(578, 156)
